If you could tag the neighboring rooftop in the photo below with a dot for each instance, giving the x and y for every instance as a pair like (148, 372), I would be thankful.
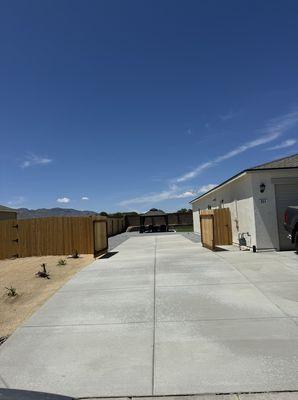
(154, 212)
(281, 163)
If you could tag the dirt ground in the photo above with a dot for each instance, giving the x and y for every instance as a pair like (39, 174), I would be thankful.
(32, 291)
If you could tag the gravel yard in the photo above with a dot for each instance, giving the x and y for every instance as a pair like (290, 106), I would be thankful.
(31, 291)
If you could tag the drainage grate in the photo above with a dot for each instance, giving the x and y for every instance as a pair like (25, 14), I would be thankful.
(109, 254)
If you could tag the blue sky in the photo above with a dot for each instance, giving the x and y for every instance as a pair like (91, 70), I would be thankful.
(127, 105)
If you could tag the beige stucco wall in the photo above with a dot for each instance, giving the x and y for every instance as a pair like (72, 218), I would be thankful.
(237, 196)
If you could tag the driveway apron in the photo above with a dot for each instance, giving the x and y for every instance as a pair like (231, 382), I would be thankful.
(162, 316)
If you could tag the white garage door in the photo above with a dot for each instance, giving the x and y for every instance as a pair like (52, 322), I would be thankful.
(285, 195)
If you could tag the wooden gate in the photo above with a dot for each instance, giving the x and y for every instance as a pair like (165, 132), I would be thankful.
(215, 227)
(207, 230)
(100, 233)
(8, 238)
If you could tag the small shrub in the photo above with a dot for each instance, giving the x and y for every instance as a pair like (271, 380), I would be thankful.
(75, 254)
(44, 273)
(62, 262)
(11, 291)
(2, 339)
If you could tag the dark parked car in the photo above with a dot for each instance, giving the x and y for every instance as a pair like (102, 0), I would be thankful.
(291, 224)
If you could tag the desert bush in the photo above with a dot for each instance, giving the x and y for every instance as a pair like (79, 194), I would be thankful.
(75, 254)
(11, 291)
(43, 273)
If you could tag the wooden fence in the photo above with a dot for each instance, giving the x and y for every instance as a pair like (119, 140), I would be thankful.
(115, 225)
(53, 236)
(183, 218)
(215, 227)
(8, 238)
(5, 215)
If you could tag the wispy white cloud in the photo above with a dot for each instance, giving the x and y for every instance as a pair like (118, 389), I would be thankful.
(63, 200)
(84, 198)
(272, 131)
(16, 201)
(228, 116)
(205, 188)
(283, 145)
(33, 159)
(148, 198)
(174, 192)
(281, 124)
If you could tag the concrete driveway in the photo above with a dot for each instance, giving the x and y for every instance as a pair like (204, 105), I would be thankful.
(163, 316)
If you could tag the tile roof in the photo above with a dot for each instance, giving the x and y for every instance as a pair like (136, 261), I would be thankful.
(286, 162)
(154, 212)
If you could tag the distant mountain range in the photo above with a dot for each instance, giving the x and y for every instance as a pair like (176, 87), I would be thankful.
(4, 208)
(25, 213)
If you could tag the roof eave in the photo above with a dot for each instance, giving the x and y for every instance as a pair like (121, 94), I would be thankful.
(238, 176)
(218, 186)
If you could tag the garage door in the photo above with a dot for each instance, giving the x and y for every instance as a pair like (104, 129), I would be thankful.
(285, 195)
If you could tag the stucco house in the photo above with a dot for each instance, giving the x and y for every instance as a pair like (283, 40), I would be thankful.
(257, 198)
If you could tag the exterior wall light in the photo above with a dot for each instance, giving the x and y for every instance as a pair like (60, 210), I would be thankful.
(262, 187)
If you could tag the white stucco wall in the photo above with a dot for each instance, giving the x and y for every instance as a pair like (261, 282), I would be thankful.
(237, 195)
(265, 206)
(196, 221)
(251, 211)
